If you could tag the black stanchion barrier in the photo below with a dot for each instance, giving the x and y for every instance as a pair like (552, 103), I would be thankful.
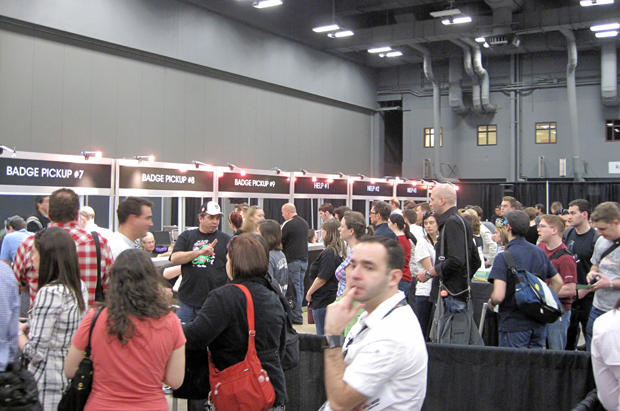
(507, 379)
(472, 378)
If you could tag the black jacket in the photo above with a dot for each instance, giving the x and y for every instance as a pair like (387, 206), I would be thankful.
(222, 325)
(453, 268)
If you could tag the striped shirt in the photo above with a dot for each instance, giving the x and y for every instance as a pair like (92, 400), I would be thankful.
(28, 277)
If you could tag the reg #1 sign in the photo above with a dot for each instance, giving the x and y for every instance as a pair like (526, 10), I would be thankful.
(614, 167)
(45, 173)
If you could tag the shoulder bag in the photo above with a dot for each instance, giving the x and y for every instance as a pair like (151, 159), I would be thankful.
(18, 389)
(75, 396)
(455, 328)
(244, 386)
(533, 295)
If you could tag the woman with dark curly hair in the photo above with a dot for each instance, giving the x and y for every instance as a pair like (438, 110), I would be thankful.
(137, 342)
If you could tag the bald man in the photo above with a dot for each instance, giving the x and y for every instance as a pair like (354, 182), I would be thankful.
(87, 221)
(295, 248)
(456, 235)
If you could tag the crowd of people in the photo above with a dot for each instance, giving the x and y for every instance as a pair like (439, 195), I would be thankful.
(412, 265)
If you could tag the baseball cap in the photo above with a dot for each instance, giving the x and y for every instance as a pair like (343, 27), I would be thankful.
(211, 208)
(519, 221)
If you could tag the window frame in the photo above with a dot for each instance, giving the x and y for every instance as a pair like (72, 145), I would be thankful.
(486, 133)
(615, 124)
(549, 123)
(432, 134)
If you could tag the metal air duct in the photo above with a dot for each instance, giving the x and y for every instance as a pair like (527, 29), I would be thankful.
(609, 75)
(456, 90)
(571, 89)
(428, 72)
(475, 83)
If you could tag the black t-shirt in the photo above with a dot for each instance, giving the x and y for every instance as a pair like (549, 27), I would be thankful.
(204, 273)
(324, 267)
(295, 239)
(532, 235)
(582, 247)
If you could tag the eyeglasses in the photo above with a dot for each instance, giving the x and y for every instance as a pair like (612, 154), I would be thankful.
(562, 212)
(428, 214)
(372, 212)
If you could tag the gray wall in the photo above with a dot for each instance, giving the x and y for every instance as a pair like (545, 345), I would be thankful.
(540, 105)
(63, 94)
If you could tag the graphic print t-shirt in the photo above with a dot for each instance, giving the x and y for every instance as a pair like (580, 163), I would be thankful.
(204, 273)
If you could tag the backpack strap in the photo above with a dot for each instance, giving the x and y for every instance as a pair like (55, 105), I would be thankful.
(509, 260)
(615, 245)
(559, 253)
(98, 287)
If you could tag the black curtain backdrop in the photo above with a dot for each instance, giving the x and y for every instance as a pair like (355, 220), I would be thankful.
(273, 208)
(485, 195)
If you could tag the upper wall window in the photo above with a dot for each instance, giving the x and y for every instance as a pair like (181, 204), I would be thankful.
(487, 135)
(429, 137)
(612, 130)
(546, 133)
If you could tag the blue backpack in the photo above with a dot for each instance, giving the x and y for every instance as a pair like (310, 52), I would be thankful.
(533, 295)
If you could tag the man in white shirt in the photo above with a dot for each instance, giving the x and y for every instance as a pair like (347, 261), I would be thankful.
(135, 218)
(87, 220)
(382, 364)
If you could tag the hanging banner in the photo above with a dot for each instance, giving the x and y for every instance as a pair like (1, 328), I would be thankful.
(410, 190)
(254, 183)
(320, 186)
(46, 173)
(169, 179)
(368, 189)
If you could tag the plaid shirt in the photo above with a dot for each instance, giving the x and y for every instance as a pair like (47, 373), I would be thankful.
(87, 254)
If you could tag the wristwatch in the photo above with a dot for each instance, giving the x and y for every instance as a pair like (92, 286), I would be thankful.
(611, 285)
(332, 341)
(428, 275)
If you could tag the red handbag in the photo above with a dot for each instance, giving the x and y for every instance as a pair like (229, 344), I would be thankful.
(244, 386)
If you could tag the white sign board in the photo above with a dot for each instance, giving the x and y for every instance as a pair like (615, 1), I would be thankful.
(614, 167)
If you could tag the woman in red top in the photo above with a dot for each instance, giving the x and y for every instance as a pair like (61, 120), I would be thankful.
(397, 223)
(137, 342)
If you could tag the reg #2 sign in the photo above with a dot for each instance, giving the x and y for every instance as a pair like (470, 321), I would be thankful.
(45, 173)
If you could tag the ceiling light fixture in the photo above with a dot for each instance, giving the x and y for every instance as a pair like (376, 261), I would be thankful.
(480, 40)
(456, 20)
(605, 27)
(446, 13)
(605, 34)
(89, 154)
(266, 3)
(380, 49)
(304, 171)
(394, 53)
(341, 33)
(588, 3)
(231, 166)
(323, 29)
(486, 45)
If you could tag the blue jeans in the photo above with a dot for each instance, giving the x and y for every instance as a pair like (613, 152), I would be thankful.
(297, 271)
(594, 314)
(319, 319)
(404, 286)
(452, 305)
(424, 309)
(534, 338)
(187, 312)
(556, 332)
